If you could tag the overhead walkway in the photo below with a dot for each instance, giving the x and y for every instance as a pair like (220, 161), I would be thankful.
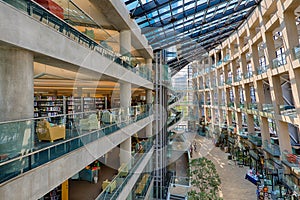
(72, 50)
(48, 164)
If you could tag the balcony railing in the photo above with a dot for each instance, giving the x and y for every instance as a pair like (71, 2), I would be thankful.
(273, 149)
(254, 139)
(288, 110)
(296, 51)
(229, 81)
(142, 187)
(238, 78)
(174, 119)
(290, 159)
(219, 63)
(268, 108)
(116, 186)
(252, 106)
(241, 105)
(21, 150)
(292, 182)
(269, 166)
(231, 105)
(226, 58)
(262, 69)
(248, 75)
(34, 10)
(277, 62)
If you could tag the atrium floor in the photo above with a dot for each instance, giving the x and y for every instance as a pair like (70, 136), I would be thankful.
(234, 185)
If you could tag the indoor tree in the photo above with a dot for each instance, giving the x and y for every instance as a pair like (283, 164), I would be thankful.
(205, 180)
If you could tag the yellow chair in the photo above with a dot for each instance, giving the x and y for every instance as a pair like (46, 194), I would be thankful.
(50, 133)
(106, 183)
(123, 170)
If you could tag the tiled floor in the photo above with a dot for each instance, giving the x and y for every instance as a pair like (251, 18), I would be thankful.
(234, 186)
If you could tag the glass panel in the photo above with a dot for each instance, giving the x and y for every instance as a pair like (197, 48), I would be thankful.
(30, 138)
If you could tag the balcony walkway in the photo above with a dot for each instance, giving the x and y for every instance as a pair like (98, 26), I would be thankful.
(84, 190)
(234, 185)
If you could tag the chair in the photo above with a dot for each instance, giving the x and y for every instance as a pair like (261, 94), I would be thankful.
(106, 183)
(91, 123)
(50, 132)
(123, 170)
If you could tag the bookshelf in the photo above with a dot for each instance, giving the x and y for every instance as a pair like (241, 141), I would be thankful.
(49, 106)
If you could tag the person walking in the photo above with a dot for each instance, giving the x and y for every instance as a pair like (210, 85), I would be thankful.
(191, 150)
(195, 146)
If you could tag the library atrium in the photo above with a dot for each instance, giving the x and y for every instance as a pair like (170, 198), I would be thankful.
(115, 99)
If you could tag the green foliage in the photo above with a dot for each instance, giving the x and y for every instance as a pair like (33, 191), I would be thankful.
(205, 180)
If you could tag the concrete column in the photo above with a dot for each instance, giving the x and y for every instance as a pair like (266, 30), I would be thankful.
(125, 42)
(291, 37)
(243, 64)
(284, 136)
(16, 102)
(125, 102)
(125, 151)
(270, 50)
(125, 94)
(264, 127)
(250, 119)
(276, 93)
(254, 58)
(16, 84)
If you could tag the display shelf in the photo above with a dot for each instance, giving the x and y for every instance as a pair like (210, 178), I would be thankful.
(101, 103)
(88, 104)
(48, 106)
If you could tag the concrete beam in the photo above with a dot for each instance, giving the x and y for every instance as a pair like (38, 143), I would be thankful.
(118, 15)
(53, 48)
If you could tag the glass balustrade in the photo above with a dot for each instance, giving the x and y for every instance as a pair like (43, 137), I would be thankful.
(229, 81)
(262, 69)
(238, 78)
(27, 144)
(219, 63)
(252, 106)
(242, 133)
(256, 140)
(288, 110)
(273, 149)
(269, 166)
(241, 105)
(290, 159)
(34, 10)
(248, 75)
(226, 58)
(142, 186)
(296, 51)
(268, 108)
(292, 182)
(231, 104)
(277, 62)
(174, 119)
(118, 183)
